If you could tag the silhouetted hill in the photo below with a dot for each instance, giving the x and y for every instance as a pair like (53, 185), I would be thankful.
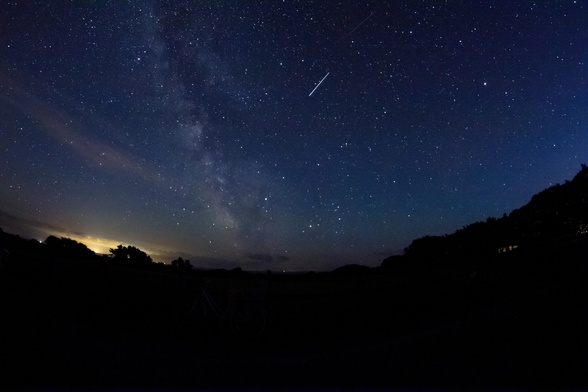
(352, 270)
(556, 214)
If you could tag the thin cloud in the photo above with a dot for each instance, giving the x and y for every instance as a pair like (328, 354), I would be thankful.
(25, 225)
(266, 257)
(61, 126)
(41, 230)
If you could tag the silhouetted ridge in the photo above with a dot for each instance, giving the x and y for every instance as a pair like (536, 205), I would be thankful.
(560, 211)
(352, 270)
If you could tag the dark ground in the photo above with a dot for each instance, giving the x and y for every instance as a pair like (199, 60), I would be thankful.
(520, 324)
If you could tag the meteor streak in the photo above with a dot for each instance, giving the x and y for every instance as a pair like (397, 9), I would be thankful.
(319, 83)
(357, 27)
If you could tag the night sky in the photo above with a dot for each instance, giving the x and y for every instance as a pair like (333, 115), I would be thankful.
(283, 135)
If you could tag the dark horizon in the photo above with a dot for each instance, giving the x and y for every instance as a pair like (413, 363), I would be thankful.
(553, 214)
(512, 320)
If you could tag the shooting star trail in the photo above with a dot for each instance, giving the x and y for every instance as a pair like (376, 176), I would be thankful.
(357, 27)
(319, 83)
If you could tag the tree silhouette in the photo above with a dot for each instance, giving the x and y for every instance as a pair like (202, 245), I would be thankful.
(181, 264)
(130, 256)
(68, 248)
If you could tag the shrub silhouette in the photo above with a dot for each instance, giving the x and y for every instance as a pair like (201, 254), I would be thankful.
(130, 256)
(181, 264)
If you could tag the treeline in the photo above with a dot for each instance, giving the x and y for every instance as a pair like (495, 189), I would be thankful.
(13, 246)
(553, 215)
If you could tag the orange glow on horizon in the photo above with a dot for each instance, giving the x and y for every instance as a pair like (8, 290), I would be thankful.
(103, 246)
(96, 244)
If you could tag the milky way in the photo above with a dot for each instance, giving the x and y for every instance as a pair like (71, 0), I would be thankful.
(290, 135)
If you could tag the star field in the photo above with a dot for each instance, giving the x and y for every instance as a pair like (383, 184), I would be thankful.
(192, 128)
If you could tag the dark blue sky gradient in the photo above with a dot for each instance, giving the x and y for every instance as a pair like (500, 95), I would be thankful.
(186, 128)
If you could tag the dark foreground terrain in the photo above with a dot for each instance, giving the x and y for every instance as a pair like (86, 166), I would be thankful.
(518, 322)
